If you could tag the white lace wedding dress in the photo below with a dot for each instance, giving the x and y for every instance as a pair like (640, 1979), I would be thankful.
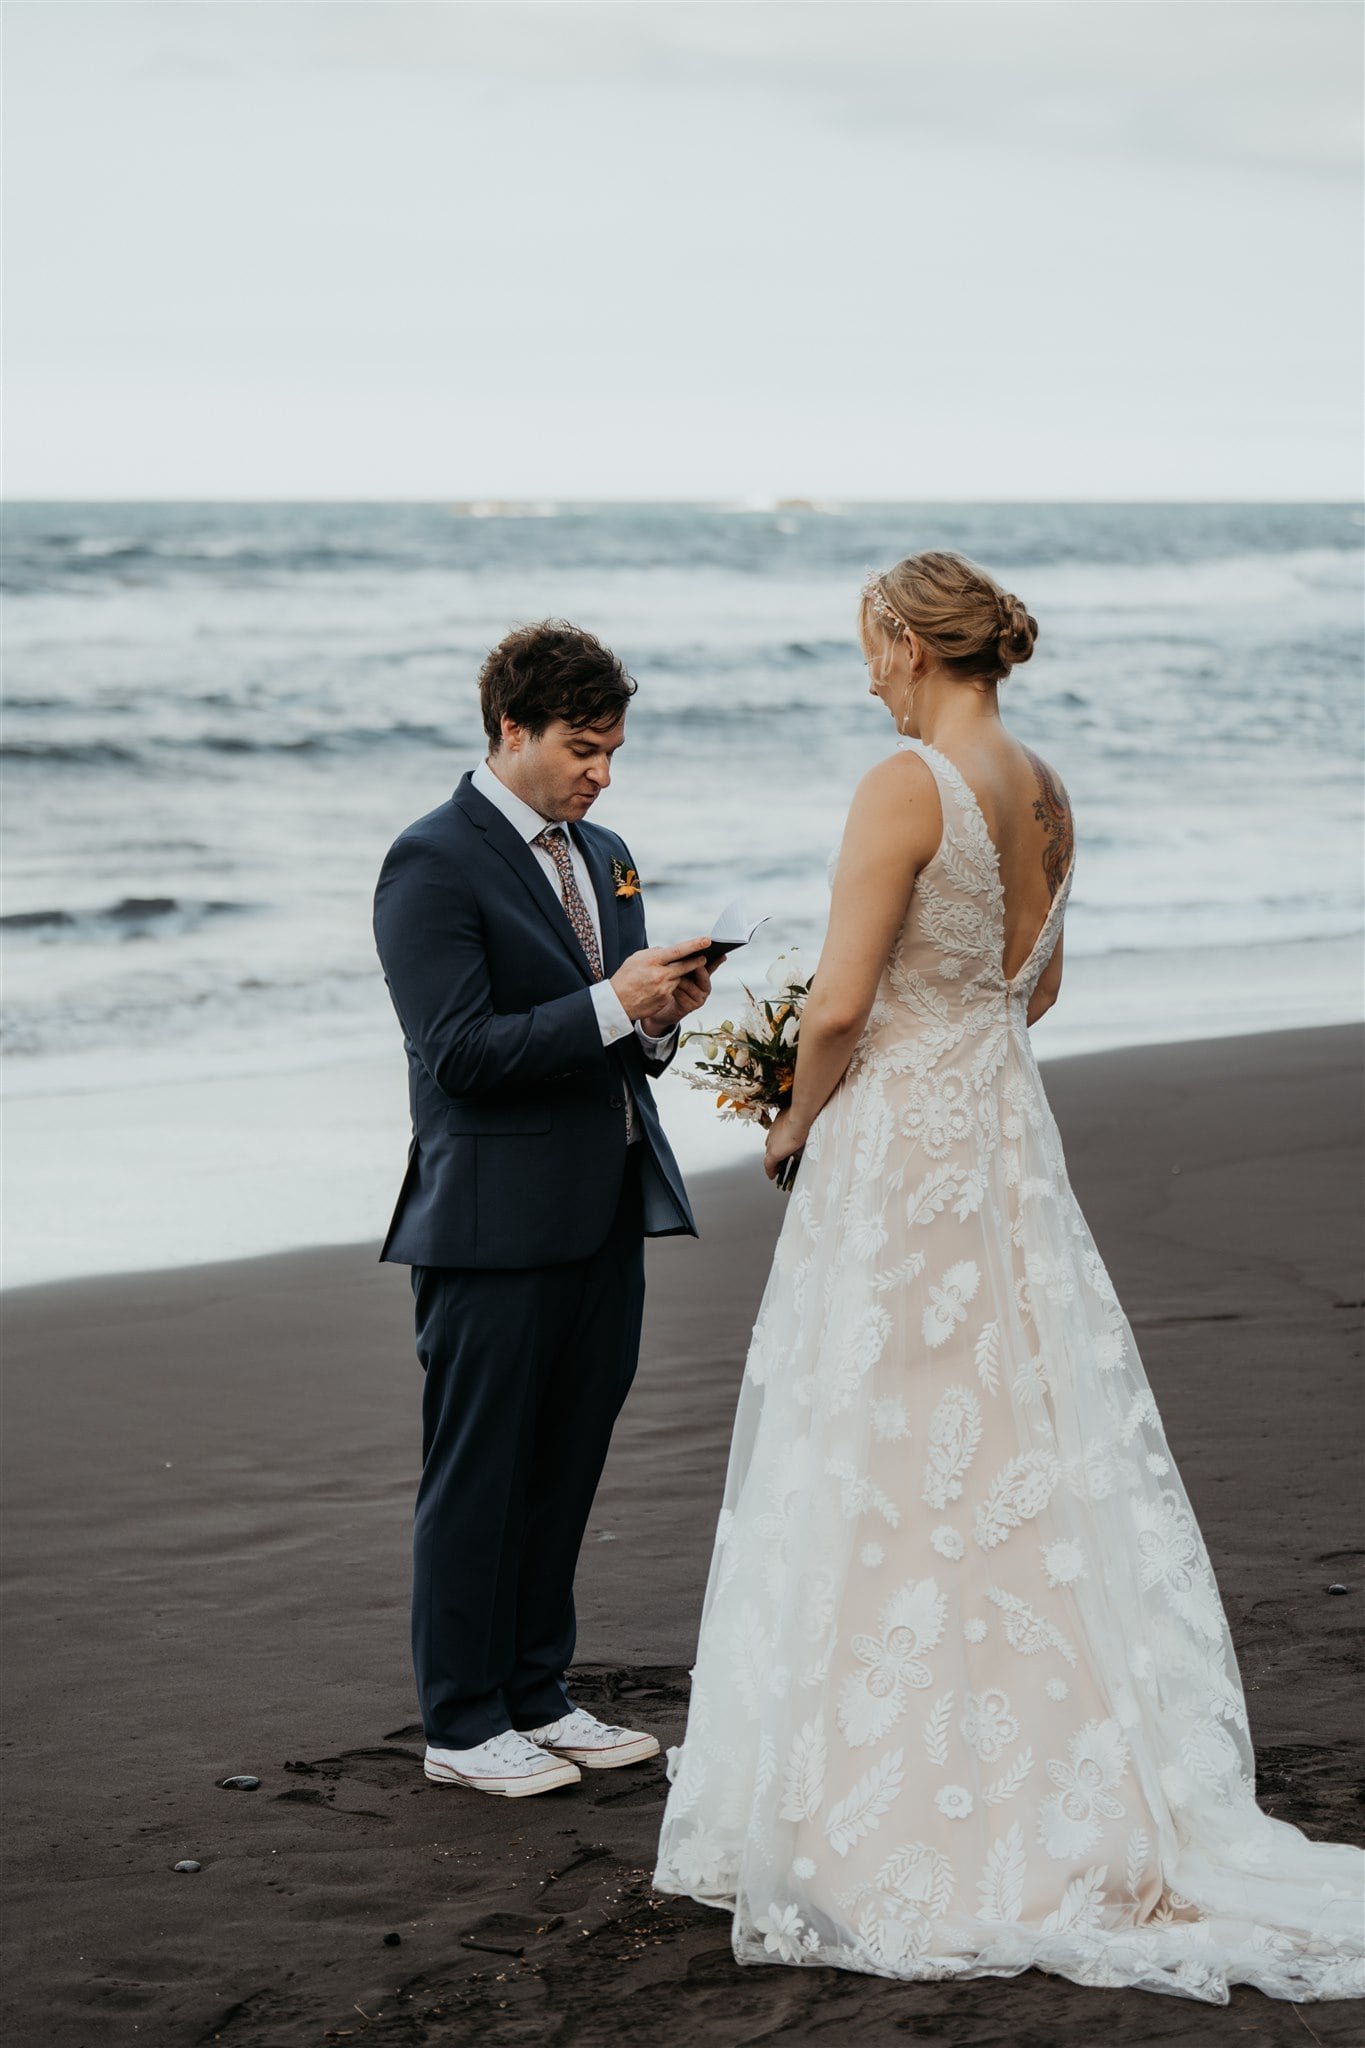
(964, 1699)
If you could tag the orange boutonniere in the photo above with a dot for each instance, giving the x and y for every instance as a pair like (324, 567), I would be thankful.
(626, 880)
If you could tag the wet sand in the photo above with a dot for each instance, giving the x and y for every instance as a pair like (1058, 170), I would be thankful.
(209, 1475)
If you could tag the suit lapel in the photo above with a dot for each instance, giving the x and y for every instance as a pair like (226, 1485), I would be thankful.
(507, 842)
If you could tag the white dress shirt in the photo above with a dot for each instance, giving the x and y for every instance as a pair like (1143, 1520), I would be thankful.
(612, 1021)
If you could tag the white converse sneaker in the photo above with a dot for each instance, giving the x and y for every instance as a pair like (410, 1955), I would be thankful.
(580, 1736)
(507, 1764)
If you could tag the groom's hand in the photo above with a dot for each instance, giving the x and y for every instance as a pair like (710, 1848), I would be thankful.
(689, 995)
(660, 983)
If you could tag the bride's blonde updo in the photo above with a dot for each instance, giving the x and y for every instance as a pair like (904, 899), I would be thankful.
(977, 630)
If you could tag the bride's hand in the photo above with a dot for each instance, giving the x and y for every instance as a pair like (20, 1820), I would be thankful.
(785, 1140)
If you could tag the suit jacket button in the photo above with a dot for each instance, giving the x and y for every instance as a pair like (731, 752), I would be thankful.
(615, 1102)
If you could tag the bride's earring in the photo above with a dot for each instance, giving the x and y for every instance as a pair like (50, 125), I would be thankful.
(904, 717)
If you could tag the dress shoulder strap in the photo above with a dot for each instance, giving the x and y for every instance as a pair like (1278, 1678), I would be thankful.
(954, 794)
(967, 851)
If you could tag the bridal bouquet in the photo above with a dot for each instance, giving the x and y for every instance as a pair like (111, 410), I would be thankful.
(754, 1061)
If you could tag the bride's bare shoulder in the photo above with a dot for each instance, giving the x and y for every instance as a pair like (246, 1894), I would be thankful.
(897, 802)
(896, 778)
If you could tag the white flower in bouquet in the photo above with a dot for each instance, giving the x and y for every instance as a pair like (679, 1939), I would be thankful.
(788, 972)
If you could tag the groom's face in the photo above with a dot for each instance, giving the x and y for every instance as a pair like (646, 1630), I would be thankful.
(562, 771)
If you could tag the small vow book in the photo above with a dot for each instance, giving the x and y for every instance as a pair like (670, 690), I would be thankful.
(732, 929)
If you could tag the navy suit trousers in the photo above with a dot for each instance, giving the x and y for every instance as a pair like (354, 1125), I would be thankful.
(526, 1371)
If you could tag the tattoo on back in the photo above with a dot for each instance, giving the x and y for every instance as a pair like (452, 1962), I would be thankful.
(1053, 813)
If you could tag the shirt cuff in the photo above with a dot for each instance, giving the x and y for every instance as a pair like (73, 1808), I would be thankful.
(612, 1021)
(657, 1048)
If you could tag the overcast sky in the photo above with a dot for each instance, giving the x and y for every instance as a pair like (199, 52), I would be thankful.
(971, 249)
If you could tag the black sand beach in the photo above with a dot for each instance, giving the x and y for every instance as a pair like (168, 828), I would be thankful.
(208, 1487)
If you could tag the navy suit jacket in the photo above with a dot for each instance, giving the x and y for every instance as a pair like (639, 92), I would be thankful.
(518, 1114)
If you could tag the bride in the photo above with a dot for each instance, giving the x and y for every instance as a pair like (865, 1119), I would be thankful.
(964, 1700)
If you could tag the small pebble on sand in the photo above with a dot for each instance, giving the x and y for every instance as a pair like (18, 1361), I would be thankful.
(188, 1864)
(242, 1784)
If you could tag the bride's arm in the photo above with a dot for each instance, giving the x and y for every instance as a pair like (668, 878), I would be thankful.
(893, 827)
(1048, 987)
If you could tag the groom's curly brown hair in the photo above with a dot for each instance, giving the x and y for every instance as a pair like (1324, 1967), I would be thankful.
(552, 670)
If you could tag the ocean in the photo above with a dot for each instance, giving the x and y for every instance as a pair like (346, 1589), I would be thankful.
(218, 716)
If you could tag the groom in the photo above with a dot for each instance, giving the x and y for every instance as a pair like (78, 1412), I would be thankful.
(534, 1013)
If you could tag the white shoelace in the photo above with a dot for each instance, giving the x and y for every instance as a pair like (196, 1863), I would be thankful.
(581, 1722)
(510, 1747)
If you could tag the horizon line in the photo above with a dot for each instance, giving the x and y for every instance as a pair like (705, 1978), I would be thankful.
(718, 502)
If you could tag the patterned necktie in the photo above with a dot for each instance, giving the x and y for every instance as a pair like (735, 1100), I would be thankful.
(557, 846)
(555, 843)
